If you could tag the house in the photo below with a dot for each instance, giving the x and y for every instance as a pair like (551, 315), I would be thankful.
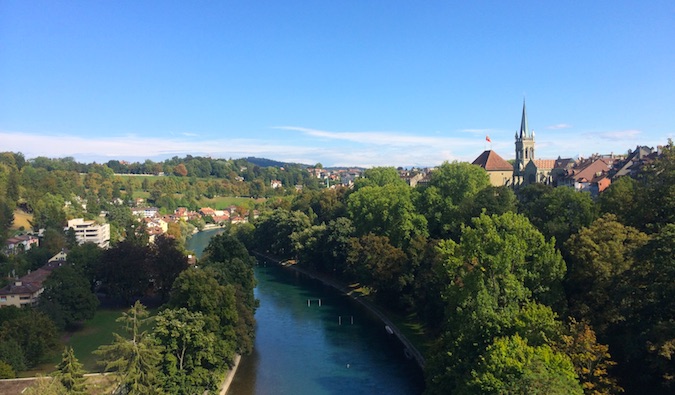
(20, 243)
(90, 231)
(589, 175)
(275, 184)
(207, 211)
(499, 170)
(145, 212)
(26, 290)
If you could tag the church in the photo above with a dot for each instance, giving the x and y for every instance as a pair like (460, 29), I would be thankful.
(526, 168)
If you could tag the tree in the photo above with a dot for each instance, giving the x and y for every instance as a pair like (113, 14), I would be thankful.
(500, 267)
(561, 212)
(35, 333)
(85, 259)
(180, 170)
(133, 359)
(449, 186)
(166, 263)
(198, 291)
(622, 199)
(377, 264)
(188, 355)
(232, 266)
(274, 231)
(591, 360)
(67, 297)
(70, 372)
(643, 342)
(48, 212)
(12, 354)
(599, 255)
(378, 177)
(510, 366)
(386, 211)
(6, 371)
(123, 271)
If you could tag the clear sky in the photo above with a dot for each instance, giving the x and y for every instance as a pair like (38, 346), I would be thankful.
(349, 82)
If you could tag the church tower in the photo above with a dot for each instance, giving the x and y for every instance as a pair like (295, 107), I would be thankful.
(524, 149)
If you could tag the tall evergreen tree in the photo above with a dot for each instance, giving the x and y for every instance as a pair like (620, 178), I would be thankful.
(70, 372)
(133, 359)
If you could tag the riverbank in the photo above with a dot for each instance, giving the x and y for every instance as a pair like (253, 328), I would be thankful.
(414, 352)
(230, 376)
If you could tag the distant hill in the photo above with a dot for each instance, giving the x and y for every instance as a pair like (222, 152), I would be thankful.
(263, 162)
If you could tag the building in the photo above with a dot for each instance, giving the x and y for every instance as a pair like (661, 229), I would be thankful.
(499, 170)
(90, 231)
(26, 291)
(20, 243)
(526, 168)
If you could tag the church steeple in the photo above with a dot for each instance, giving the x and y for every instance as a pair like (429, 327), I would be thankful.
(524, 129)
(524, 148)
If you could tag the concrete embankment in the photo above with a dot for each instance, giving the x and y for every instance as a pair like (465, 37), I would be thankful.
(414, 352)
(230, 376)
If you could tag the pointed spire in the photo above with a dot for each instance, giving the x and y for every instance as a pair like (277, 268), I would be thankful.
(524, 130)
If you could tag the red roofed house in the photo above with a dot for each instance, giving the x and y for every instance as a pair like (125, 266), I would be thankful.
(499, 170)
(26, 290)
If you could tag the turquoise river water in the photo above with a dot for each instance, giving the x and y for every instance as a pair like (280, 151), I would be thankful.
(301, 347)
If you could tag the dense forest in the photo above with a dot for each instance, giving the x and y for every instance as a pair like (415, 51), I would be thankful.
(531, 290)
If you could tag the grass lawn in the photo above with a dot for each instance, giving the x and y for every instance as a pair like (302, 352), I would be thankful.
(21, 218)
(94, 333)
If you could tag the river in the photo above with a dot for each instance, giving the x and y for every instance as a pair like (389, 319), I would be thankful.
(301, 347)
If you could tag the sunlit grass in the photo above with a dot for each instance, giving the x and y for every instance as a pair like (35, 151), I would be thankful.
(21, 218)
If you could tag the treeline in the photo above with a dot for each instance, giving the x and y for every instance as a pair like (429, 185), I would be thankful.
(538, 290)
(205, 318)
(54, 190)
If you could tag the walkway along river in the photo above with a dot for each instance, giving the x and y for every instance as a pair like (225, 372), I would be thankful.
(312, 339)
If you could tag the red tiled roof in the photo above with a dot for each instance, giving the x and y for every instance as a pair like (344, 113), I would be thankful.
(544, 163)
(491, 161)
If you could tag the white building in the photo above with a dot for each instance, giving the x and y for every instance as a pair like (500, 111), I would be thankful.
(90, 231)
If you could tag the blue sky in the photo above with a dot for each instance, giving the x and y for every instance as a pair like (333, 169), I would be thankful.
(353, 82)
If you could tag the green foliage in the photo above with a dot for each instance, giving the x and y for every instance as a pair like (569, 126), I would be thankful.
(188, 352)
(232, 266)
(12, 354)
(124, 271)
(559, 212)
(70, 373)
(599, 256)
(378, 177)
(46, 386)
(6, 371)
(133, 359)
(450, 185)
(500, 272)
(85, 258)
(165, 263)
(273, 231)
(511, 366)
(48, 212)
(34, 332)
(379, 265)
(386, 211)
(197, 290)
(67, 297)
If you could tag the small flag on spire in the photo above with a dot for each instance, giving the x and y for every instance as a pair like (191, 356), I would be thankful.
(487, 138)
